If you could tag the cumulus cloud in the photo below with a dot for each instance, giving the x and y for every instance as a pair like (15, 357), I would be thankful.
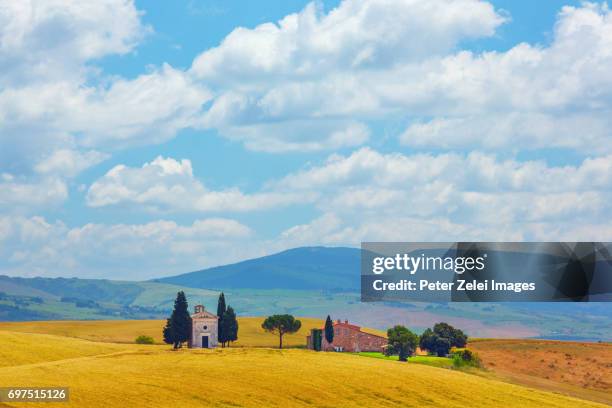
(399, 228)
(44, 39)
(356, 34)
(47, 186)
(474, 171)
(535, 96)
(34, 246)
(42, 118)
(474, 196)
(588, 132)
(475, 188)
(19, 195)
(400, 59)
(166, 184)
(297, 84)
(69, 162)
(55, 103)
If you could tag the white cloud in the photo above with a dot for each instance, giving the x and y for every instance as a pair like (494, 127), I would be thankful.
(166, 184)
(588, 132)
(530, 96)
(59, 113)
(398, 228)
(69, 162)
(43, 39)
(300, 136)
(297, 84)
(35, 247)
(356, 34)
(444, 196)
(20, 196)
(150, 109)
(47, 186)
(278, 82)
(345, 231)
(473, 171)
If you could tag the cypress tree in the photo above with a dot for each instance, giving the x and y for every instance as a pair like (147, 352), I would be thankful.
(329, 330)
(221, 305)
(178, 326)
(221, 309)
(317, 336)
(168, 332)
(230, 324)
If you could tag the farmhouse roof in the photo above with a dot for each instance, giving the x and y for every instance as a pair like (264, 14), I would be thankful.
(346, 324)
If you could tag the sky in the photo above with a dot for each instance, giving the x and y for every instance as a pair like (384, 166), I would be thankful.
(141, 139)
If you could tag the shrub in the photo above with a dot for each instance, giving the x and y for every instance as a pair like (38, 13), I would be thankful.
(463, 357)
(142, 339)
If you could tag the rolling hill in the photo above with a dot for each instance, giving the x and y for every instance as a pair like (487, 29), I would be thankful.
(117, 375)
(308, 268)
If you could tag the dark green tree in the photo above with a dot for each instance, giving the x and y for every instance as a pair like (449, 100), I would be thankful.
(402, 342)
(439, 340)
(221, 309)
(433, 343)
(455, 337)
(230, 325)
(442, 346)
(427, 340)
(221, 305)
(317, 336)
(281, 325)
(329, 330)
(178, 326)
(168, 332)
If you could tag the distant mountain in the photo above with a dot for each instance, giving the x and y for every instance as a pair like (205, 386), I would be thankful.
(307, 268)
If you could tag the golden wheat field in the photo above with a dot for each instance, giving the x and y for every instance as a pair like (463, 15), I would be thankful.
(125, 331)
(127, 375)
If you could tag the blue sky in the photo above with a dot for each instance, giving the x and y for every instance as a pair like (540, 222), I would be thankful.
(142, 139)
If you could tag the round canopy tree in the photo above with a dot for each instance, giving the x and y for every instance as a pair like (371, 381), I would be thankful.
(402, 342)
(281, 325)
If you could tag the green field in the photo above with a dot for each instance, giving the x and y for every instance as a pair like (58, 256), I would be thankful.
(440, 362)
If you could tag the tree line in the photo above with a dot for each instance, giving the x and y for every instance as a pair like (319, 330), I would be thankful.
(403, 343)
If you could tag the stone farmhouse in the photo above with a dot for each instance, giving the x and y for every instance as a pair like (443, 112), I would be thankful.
(349, 337)
(204, 329)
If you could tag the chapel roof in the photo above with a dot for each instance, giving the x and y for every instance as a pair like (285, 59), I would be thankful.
(202, 313)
